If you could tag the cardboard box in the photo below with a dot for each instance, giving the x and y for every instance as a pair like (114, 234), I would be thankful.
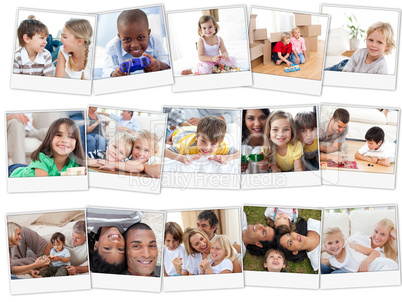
(260, 34)
(310, 30)
(256, 62)
(311, 43)
(253, 23)
(255, 51)
(266, 49)
(275, 37)
(302, 19)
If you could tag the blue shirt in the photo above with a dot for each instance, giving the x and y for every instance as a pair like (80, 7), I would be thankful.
(63, 254)
(132, 124)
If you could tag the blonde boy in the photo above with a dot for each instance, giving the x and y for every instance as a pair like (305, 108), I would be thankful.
(282, 50)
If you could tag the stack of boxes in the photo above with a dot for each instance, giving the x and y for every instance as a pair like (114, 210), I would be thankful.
(260, 46)
(309, 32)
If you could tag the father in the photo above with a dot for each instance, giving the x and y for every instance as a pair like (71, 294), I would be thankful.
(141, 251)
(125, 122)
(76, 244)
(334, 132)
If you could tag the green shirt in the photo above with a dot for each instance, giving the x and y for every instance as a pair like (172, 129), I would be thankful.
(46, 163)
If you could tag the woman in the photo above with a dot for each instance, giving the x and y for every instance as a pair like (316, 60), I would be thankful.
(197, 247)
(19, 239)
(95, 132)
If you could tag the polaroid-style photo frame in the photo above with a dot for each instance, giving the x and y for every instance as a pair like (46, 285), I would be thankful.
(273, 239)
(210, 159)
(299, 163)
(125, 148)
(34, 242)
(271, 32)
(204, 237)
(229, 33)
(366, 154)
(42, 62)
(137, 238)
(44, 144)
(348, 44)
(359, 233)
(132, 57)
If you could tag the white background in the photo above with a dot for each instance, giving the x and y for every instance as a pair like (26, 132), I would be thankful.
(153, 99)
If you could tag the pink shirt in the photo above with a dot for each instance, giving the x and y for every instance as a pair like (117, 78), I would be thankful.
(298, 44)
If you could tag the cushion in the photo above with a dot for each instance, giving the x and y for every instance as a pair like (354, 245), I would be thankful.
(392, 118)
(340, 220)
(366, 220)
(59, 219)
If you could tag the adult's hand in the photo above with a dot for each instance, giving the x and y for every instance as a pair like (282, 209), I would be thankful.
(22, 118)
(72, 270)
(193, 121)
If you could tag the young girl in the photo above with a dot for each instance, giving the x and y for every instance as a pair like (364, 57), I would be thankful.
(281, 216)
(61, 149)
(379, 42)
(73, 60)
(173, 249)
(282, 151)
(209, 45)
(298, 54)
(222, 254)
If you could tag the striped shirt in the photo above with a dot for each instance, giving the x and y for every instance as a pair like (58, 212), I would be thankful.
(42, 65)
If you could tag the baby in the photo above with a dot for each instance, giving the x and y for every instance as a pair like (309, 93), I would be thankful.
(134, 39)
(32, 57)
(377, 150)
(274, 261)
(306, 126)
(190, 143)
(282, 50)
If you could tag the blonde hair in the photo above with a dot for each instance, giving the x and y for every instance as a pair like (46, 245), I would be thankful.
(386, 29)
(126, 138)
(269, 150)
(389, 249)
(149, 136)
(332, 231)
(205, 19)
(80, 29)
(226, 244)
(295, 29)
(190, 232)
(285, 35)
(12, 227)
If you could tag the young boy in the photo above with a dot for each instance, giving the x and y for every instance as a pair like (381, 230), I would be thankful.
(282, 50)
(32, 57)
(274, 261)
(306, 125)
(298, 55)
(377, 150)
(190, 143)
(60, 257)
(134, 40)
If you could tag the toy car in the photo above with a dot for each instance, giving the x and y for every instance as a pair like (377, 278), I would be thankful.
(135, 64)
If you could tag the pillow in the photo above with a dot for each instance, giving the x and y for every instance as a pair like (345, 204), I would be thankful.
(365, 220)
(59, 219)
(368, 116)
(392, 118)
(340, 220)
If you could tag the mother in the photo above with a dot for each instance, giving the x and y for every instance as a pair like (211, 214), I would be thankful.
(96, 139)
(197, 247)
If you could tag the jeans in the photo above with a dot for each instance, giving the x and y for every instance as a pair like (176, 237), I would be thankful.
(339, 66)
(311, 164)
(293, 58)
(96, 142)
(325, 269)
(15, 166)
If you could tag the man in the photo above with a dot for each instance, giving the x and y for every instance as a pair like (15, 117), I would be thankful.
(125, 122)
(334, 132)
(141, 251)
(76, 244)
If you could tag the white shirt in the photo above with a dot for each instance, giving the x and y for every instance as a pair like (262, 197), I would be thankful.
(168, 257)
(314, 255)
(387, 149)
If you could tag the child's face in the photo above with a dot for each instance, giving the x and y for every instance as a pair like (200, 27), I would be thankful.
(286, 40)
(296, 34)
(255, 120)
(170, 242)
(372, 145)
(208, 29)
(334, 244)
(134, 37)
(70, 42)
(110, 245)
(205, 146)
(274, 262)
(117, 151)
(142, 150)
(281, 132)
(281, 219)
(217, 252)
(58, 245)
(308, 136)
(37, 43)
(380, 235)
(63, 142)
(376, 44)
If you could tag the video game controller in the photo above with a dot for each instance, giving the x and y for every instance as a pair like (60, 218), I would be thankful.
(135, 64)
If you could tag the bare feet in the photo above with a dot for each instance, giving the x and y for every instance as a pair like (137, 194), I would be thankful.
(186, 72)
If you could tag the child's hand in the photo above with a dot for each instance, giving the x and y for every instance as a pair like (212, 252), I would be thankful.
(56, 258)
(186, 159)
(178, 264)
(288, 63)
(297, 60)
(108, 166)
(217, 58)
(118, 73)
(218, 158)
(154, 65)
(364, 267)
(374, 160)
(205, 264)
(264, 165)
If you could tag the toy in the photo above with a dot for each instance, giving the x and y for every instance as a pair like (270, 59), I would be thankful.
(135, 64)
(221, 68)
(347, 165)
(255, 157)
(292, 68)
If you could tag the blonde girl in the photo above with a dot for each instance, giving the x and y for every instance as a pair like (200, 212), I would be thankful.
(221, 256)
(74, 60)
(282, 150)
(211, 49)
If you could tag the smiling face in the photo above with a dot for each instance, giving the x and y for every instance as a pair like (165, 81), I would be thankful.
(134, 37)
(142, 252)
(170, 242)
(63, 142)
(70, 42)
(218, 253)
(296, 34)
(334, 244)
(110, 245)
(286, 41)
(142, 150)
(376, 44)
(126, 115)
(37, 43)
(17, 237)
(281, 132)
(57, 245)
(117, 151)
(308, 136)
(274, 262)
(258, 232)
(293, 242)
(206, 227)
(200, 243)
(380, 236)
(78, 239)
(208, 29)
(255, 120)
(205, 146)
(372, 145)
(338, 126)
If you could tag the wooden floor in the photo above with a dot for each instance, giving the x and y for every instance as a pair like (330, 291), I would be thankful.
(311, 70)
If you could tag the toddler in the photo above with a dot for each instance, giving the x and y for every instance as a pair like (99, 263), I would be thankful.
(282, 50)
(60, 257)
(306, 125)
(173, 249)
(190, 143)
(377, 150)
(298, 54)
(61, 149)
(282, 151)
(281, 216)
(211, 49)
(274, 261)
(221, 257)
(32, 57)
(134, 40)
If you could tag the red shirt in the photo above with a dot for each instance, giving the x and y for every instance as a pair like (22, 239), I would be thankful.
(282, 48)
